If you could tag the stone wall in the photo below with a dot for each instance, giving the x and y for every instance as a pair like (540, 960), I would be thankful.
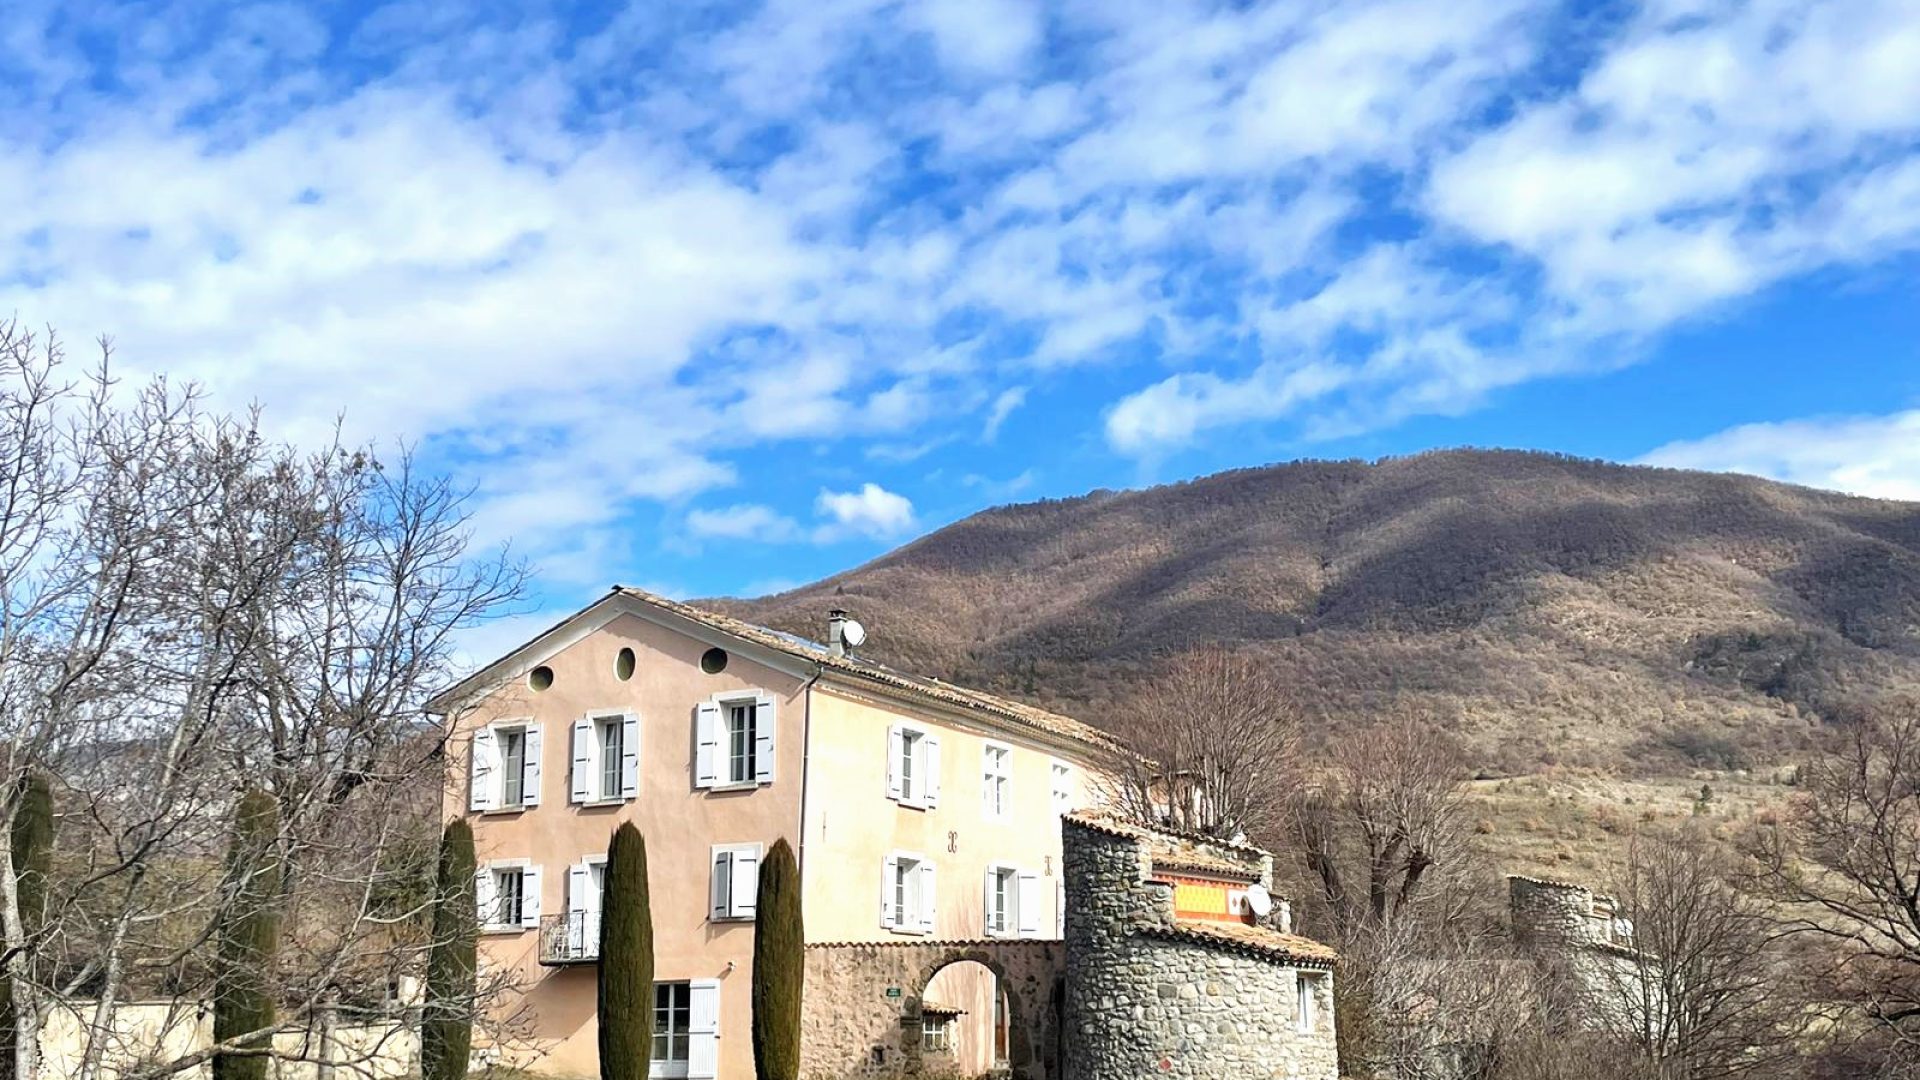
(854, 1027)
(1150, 996)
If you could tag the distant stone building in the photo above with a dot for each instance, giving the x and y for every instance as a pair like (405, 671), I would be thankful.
(1169, 973)
(1585, 941)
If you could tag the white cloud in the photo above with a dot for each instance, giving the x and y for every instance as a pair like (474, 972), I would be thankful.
(871, 511)
(1878, 456)
(745, 521)
(1003, 406)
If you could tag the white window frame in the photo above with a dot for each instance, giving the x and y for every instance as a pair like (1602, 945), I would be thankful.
(909, 906)
(583, 936)
(913, 766)
(486, 893)
(587, 786)
(996, 780)
(667, 1067)
(1000, 906)
(713, 758)
(726, 900)
(487, 768)
(1060, 776)
(1306, 998)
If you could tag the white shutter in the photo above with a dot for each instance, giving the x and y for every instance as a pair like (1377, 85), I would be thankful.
(926, 896)
(889, 867)
(530, 775)
(706, 744)
(583, 771)
(483, 791)
(719, 883)
(764, 724)
(629, 756)
(930, 765)
(986, 900)
(746, 884)
(703, 1030)
(1026, 905)
(484, 897)
(579, 884)
(530, 897)
(895, 739)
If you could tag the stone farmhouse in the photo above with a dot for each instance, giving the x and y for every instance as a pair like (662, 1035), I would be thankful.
(969, 910)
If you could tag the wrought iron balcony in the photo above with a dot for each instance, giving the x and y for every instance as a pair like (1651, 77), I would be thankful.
(572, 938)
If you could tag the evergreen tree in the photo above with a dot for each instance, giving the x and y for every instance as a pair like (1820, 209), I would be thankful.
(626, 960)
(779, 967)
(32, 860)
(446, 1030)
(249, 936)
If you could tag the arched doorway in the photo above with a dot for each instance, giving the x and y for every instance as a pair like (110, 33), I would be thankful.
(964, 1022)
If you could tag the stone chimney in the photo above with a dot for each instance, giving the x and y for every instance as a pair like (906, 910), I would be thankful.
(837, 632)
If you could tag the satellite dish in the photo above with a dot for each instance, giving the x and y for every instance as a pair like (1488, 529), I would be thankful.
(1259, 901)
(853, 634)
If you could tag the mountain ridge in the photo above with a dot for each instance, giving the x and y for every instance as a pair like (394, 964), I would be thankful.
(1552, 609)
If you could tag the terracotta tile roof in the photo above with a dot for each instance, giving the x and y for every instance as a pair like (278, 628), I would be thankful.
(1258, 941)
(812, 652)
(934, 1008)
(1205, 864)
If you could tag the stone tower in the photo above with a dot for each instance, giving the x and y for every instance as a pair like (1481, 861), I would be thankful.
(1170, 974)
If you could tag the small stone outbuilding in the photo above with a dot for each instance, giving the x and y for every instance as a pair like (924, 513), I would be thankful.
(1171, 974)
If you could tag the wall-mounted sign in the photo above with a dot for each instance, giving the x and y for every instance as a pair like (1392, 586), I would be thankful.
(893, 991)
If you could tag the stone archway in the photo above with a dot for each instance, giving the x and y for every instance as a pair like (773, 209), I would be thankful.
(863, 1005)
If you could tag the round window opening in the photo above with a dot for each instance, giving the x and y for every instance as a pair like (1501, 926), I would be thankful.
(623, 665)
(713, 661)
(540, 678)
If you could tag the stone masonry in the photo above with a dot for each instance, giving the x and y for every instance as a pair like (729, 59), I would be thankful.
(1150, 994)
(853, 1028)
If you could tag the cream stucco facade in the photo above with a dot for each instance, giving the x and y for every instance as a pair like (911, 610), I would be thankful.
(918, 811)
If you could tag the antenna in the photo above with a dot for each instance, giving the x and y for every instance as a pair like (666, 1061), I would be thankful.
(854, 634)
(1259, 900)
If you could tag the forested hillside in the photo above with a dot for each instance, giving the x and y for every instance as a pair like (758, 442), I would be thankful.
(1554, 610)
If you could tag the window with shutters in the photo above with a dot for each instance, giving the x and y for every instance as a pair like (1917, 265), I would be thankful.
(907, 893)
(507, 895)
(996, 791)
(913, 767)
(606, 760)
(506, 766)
(734, 740)
(735, 883)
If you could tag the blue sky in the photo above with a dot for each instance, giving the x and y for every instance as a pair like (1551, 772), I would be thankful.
(717, 298)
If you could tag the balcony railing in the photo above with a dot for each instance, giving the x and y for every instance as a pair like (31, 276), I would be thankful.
(573, 938)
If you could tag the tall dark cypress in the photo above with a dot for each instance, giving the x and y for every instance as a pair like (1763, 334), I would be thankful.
(779, 966)
(249, 938)
(32, 842)
(446, 1028)
(626, 960)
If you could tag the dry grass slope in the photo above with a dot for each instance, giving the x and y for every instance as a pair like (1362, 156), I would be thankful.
(1558, 612)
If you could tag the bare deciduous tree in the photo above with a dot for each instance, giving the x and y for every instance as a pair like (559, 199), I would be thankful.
(1845, 859)
(1379, 823)
(187, 610)
(1213, 744)
(1703, 991)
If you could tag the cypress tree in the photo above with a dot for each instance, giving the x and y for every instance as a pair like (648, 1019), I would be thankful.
(249, 934)
(32, 842)
(779, 967)
(626, 960)
(446, 1029)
